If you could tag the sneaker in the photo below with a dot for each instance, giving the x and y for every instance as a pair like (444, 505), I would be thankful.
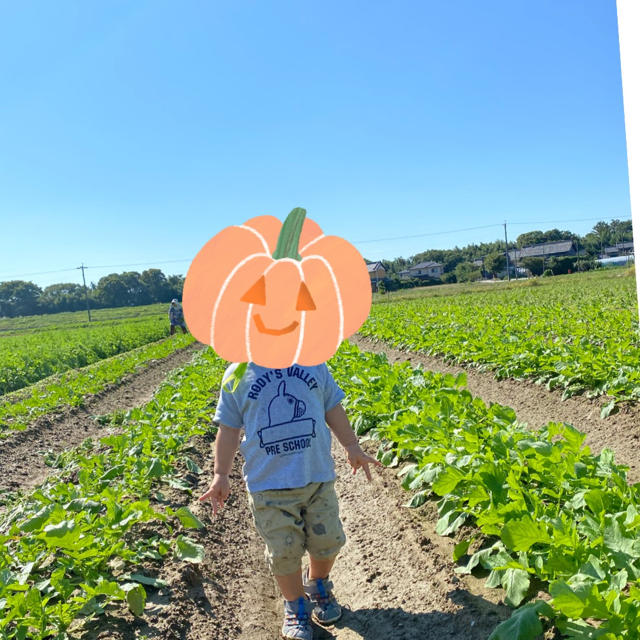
(297, 622)
(325, 608)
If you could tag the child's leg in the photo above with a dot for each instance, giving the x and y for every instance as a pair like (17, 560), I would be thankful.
(320, 567)
(291, 585)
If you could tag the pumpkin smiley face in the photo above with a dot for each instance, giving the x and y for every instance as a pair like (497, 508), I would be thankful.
(275, 294)
(256, 295)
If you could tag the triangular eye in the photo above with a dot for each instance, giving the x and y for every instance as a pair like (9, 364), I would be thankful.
(305, 301)
(257, 294)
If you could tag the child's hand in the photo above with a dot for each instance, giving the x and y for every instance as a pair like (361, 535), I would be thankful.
(218, 492)
(359, 459)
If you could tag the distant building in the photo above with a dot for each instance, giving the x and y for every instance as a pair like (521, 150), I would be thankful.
(619, 249)
(545, 250)
(377, 273)
(423, 270)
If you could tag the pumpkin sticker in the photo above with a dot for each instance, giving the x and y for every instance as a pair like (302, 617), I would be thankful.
(276, 293)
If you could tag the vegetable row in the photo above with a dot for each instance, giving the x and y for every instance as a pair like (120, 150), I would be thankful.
(25, 359)
(542, 504)
(581, 336)
(71, 389)
(71, 547)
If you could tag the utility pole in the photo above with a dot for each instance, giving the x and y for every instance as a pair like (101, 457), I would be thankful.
(506, 247)
(86, 293)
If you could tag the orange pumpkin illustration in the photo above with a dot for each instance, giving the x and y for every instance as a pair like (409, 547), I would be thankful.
(274, 293)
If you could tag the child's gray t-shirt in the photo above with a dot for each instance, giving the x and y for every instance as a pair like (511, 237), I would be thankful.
(286, 443)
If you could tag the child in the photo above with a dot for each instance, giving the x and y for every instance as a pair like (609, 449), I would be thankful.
(290, 476)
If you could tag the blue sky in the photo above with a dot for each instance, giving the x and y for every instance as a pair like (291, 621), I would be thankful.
(131, 132)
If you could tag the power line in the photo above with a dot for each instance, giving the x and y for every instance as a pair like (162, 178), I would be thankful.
(38, 273)
(565, 220)
(106, 266)
(424, 235)
(137, 264)
(486, 226)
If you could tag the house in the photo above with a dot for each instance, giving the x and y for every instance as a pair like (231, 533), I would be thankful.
(619, 249)
(545, 250)
(376, 271)
(422, 270)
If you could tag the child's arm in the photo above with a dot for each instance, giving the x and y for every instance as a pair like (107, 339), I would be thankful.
(339, 423)
(227, 442)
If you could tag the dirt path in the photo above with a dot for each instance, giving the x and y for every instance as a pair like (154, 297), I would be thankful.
(536, 406)
(394, 577)
(21, 454)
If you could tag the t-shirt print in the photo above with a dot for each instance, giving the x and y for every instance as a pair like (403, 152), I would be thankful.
(287, 430)
(286, 442)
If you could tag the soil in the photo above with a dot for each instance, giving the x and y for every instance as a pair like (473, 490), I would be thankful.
(21, 454)
(536, 406)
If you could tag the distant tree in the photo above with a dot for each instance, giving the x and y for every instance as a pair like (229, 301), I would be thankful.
(585, 264)
(394, 283)
(19, 298)
(561, 264)
(535, 265)
(467, 272)
(495, 262)
(603, 232)
(620, 231)
(111, 291)
(65, 296)
(176, 284)
(156, 285)
(449, 277)
(530, 238)
(382, 287)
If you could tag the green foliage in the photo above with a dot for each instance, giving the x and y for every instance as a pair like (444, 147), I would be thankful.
(19, 409)
(495, 262)
(30, 357)
(467, 272)
(578, 333)
(544, 505)
(547, 272)
(22, 298)
(535, 265)
(68, 549)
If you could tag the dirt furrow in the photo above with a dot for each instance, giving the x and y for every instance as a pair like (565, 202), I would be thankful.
(394, 577)
(536, 406)
(21, 454)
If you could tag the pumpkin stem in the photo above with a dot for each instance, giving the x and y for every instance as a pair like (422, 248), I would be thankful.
(289, 237)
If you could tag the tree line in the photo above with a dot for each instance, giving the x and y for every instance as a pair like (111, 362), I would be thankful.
(458, 263)
(22, 298)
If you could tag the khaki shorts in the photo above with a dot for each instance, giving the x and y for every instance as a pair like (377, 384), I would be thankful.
(292, 521)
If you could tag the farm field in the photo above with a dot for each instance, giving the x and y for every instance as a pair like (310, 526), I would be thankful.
(29, 356)
(578, 333)
(70, 319)
(513, 532)
(70, 389)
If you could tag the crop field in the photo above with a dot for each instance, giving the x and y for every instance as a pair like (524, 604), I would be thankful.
(542, 505)
(577, 333)
(476, 526)
(75, 319)
(19, 409)
(27, 357)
